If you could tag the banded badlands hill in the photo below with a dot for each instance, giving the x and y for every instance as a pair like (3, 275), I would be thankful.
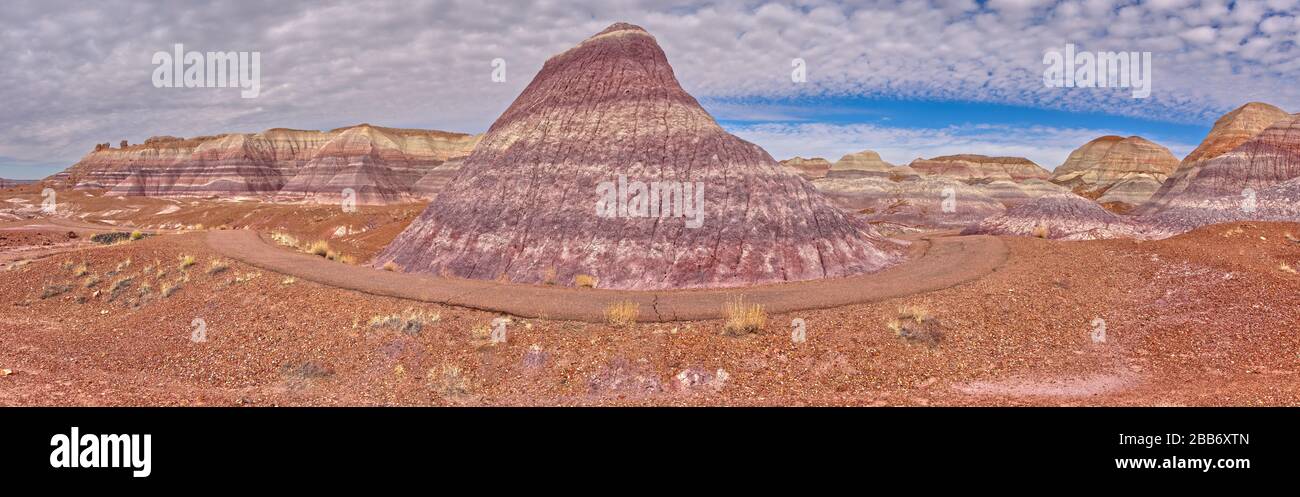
(810, 169)
(973, 187)
(1120, 173)
(381, 165)
(535, 201)
(1229, 132)
(1246, 169)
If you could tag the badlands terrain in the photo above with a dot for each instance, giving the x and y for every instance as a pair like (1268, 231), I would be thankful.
(381, 266)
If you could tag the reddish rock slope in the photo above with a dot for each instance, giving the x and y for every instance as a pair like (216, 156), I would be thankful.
(1230, 131)
(524, 206)
(813, 168)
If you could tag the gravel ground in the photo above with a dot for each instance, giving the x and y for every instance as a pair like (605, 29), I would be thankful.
(1207, 318)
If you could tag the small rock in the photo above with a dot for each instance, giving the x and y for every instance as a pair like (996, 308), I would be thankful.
(6, 372)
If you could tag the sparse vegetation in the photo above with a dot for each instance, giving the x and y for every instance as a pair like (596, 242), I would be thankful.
(169, 288)
(743, 318)
(136, 235)
(319, 248)
(585, 281)
(391, 266)
(410, 321)
(110, 238)
(1041, 231)
(80, 270)
(914, 323)
(285, 239)
(288, 280)
(91, 281)
(217, 266)
(54, 291)
(622, 313)
(549, 276)
(1286, 268)
(187, 261)
(450, 382)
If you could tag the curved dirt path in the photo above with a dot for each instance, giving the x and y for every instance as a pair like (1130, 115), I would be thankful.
(936, 262)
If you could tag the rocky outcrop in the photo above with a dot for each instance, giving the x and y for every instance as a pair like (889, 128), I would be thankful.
(555, 190)
(1229, 132)
(1277, 202)
(1058, 216)
(813, 168)
(922, 202)
(980, 168)
(437, 180)
(1115, 170)
(380, 164)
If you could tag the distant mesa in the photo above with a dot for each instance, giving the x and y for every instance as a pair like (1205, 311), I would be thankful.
(1118, 172)
(527, 205)
(813, 168)
(981, 168)
(866, 163)
(381, 165)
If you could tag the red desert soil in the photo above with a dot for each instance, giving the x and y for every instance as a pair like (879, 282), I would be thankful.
(1206, 318)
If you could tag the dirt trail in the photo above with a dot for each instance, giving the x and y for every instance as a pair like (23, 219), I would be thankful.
(937, 262)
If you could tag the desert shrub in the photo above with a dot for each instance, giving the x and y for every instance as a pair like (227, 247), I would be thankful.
(54, 290)
(168, 289)
(622, 313)
(743, 318)
(186, 261)
(585, 281)
(217, 266)
(411, 321)
(319, 248)
(915, 324)
(391, 266)
(136, 235)
(1041, 231)
(110, 238)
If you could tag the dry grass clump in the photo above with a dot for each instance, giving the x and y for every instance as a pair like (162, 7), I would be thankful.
(743, 318)
(914, 323)
(136, 235)
(217, 266)
(410, 321)
(91, 281)
(80, 270)
(319, 248)
(1041, 231)
(285, 239)
(622, 313)
(169, 288)
(450, 382)
(585, 281)
(187, 261)
(54, 290)
(1286, 268)
(391, 266)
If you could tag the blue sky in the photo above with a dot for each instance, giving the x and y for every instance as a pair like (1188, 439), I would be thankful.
(908, 79)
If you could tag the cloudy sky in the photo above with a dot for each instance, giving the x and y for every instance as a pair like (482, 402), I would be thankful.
(907, 79)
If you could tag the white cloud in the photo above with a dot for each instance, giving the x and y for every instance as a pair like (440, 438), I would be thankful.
(77, 73)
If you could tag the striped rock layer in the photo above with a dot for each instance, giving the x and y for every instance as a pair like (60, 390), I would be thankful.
(380, 165)
(1233, 130)
(810, 169)
(1115, 169)
(528, 203)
